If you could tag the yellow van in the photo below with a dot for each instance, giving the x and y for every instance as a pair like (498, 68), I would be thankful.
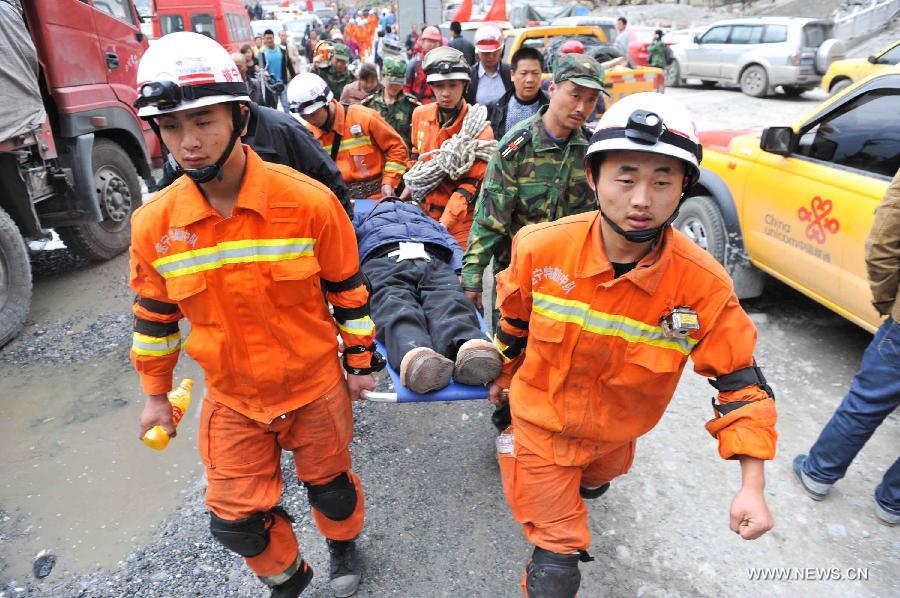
(797, 202)
(844, 73)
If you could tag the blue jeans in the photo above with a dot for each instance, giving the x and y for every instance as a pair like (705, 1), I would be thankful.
(874, 394)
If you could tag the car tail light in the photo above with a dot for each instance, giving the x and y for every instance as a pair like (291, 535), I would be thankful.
(794, 59)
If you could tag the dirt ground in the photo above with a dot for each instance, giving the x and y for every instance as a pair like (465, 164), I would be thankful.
(126, 521)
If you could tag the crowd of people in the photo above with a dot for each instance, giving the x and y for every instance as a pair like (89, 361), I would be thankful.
(471, 162)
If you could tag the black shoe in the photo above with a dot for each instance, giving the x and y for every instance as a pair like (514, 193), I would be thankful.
(345, 567)
(592, 493)
(294, 586)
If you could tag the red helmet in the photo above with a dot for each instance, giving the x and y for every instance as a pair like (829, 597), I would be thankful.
(573, 46)
(433, 33)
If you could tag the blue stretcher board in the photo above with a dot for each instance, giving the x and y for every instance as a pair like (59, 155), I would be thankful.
(453, 391)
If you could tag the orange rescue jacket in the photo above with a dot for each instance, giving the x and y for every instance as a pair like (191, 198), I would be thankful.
(251, 287)
(370, 147)
(453, 201)
(597, 370)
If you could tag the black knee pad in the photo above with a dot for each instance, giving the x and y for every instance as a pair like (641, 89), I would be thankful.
(552, 575)
(336, 499)
(247, 537)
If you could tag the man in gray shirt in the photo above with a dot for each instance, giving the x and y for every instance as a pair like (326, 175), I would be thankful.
(621, 43)
(490, 77)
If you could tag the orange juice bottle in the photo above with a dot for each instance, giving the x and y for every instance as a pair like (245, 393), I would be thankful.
(157, 438)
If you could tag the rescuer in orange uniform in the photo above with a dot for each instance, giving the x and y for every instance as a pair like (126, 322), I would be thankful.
(452, 201)
(371, 155)
(599, 314)
(243, 248)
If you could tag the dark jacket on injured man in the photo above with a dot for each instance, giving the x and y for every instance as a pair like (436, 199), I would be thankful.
(391, 222)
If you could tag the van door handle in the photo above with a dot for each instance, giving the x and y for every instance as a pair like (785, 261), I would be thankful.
(112, 60)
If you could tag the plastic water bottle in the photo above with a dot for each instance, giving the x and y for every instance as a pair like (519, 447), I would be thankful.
(157, 438)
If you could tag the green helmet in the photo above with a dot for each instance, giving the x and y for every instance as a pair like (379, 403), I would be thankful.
(394, 71)
(445, 64)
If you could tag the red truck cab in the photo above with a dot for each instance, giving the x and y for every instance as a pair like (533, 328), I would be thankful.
(225, 21)
(72, 148)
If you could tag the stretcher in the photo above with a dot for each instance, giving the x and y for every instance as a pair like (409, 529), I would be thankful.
(451, 392)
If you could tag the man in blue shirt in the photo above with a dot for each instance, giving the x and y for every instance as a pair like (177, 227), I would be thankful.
(274, 59)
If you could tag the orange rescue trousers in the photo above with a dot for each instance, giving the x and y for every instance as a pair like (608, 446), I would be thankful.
(243, 466)
(544, 498)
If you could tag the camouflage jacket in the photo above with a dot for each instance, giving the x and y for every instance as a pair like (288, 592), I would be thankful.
(528, 181)
(398, 114)
(336, 83)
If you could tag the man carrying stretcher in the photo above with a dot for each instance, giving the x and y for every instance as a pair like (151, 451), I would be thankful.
(431, 331)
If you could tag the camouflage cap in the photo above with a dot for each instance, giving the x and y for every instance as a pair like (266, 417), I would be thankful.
(579, 69)
(394, 71)
(342, 52)
(444, 64)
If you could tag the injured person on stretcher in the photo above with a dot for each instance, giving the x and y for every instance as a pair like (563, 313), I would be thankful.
(421, 313)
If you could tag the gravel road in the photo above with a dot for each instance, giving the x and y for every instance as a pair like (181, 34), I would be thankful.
(125, 522)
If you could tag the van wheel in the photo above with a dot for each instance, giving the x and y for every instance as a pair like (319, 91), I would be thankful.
(700, 219)
(755, 81)
(15, 279)
(840, 86)
(119, 192)
(672, 74)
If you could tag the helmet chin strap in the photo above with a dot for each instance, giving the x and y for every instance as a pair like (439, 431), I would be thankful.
(206, 174)
(640, 236)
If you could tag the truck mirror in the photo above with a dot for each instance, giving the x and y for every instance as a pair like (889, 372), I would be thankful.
(777, 140)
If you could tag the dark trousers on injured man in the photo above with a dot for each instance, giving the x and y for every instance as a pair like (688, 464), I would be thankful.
(419, 303)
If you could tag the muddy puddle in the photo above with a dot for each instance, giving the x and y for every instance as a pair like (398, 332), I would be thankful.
(74, 478)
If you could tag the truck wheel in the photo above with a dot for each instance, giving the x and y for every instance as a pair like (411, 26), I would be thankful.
(755, 81)
(699, 218)
(15, 279)
(119, 191)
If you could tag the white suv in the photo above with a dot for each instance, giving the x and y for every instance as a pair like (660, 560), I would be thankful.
(759, 54)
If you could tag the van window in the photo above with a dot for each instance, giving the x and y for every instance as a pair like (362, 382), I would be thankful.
(864, 134)
(171, 23)
(716, 35)
(892, 56)
(814, 34)
(120, 9)
(745, 34)
(203, 24)
(775, 34)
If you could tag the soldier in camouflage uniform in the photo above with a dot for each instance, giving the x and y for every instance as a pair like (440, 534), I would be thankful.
(537, 175)
(391, 101)
(336, 74)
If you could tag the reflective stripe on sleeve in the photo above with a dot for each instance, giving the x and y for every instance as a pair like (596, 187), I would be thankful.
(233, 252)
(359, 327)
(155, 345)
(396, 167)
(598, 322)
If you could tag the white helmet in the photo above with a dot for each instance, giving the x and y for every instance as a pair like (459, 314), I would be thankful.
(185, 70)
(649, 122)
(307, 93)
(488, 38)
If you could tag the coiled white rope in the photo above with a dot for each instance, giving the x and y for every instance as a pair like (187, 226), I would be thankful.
(455, 156)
